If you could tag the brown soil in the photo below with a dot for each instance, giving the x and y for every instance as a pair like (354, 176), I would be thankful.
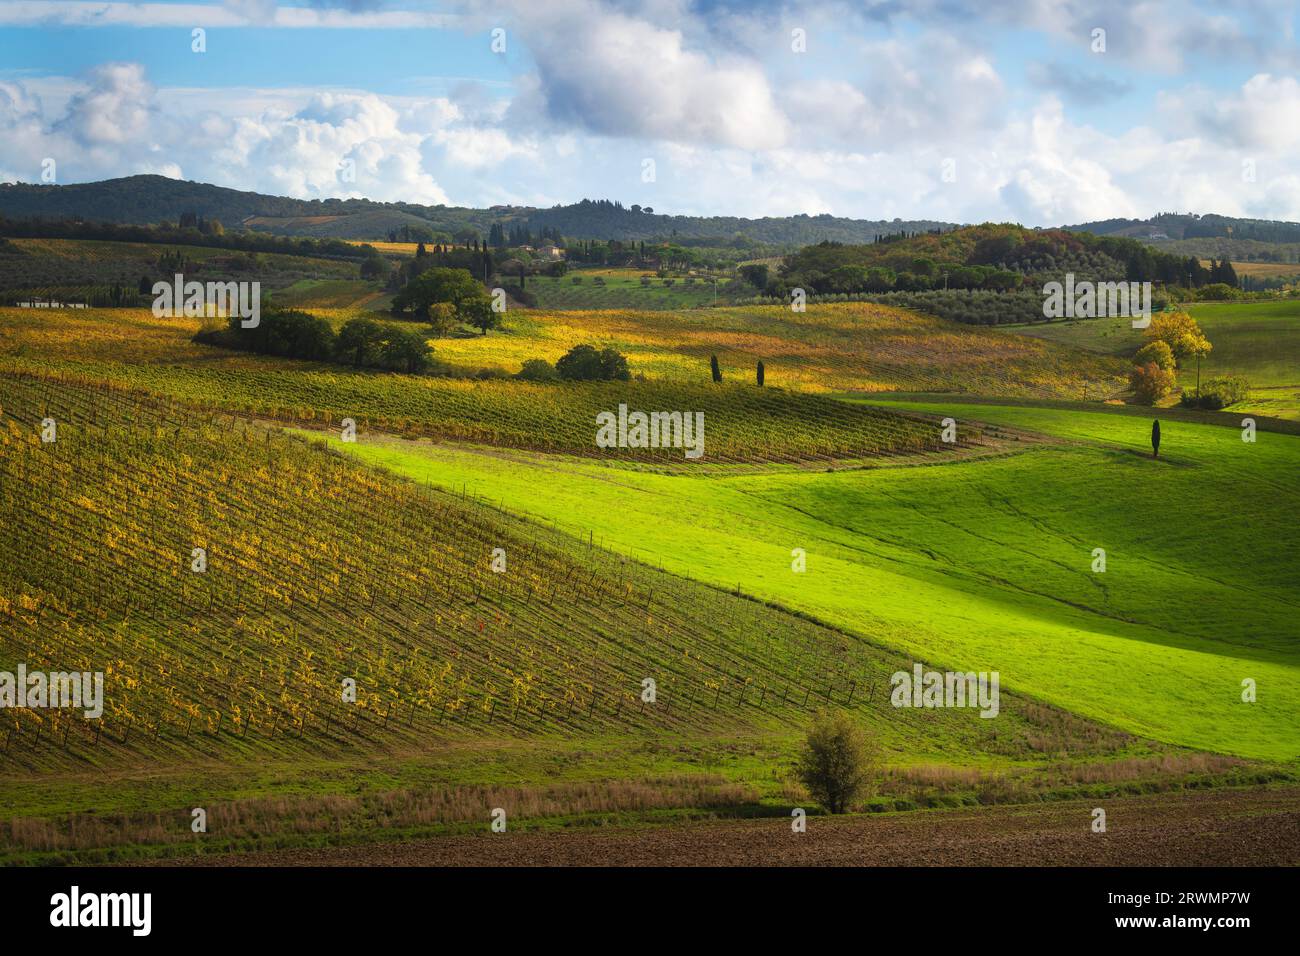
(1221, 828)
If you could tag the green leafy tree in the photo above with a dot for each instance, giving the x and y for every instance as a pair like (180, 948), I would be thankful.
(580, 364)
(455, 286)
(837, 762)
(376, 268)
(613, 366)
(361, 341)
(405, 350)
(1158, 352)
(583, 363)
(479, 313)
(538, 370)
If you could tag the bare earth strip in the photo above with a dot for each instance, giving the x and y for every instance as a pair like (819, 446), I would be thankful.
(1211, 828)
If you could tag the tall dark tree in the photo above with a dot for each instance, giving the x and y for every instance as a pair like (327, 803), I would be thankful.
(1155, 438)
(760, 373)
(717, 372)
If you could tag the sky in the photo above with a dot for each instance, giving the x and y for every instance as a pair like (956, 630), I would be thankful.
(1044, 112)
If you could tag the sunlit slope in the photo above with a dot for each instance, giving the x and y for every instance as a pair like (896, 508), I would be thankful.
(986, 565)
(319, 569)
(845, 346)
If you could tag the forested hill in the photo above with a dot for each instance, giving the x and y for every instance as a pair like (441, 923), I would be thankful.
(1173, 226)
(145, 200)
(603, 219)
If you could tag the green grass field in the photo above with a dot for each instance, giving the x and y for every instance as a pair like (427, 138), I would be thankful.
(620, 289)
(1260, 340)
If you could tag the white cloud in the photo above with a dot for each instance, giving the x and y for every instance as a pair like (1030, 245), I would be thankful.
(232, 13)
(610, 73)
(595, 89)
(114, 110)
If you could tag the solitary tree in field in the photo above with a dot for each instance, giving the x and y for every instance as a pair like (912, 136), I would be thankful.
(1155, 439)
(1199, 346)
(760, 374)
(717, 372)
(837, 762)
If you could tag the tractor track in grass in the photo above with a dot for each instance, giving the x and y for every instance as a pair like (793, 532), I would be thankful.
(1251, 827)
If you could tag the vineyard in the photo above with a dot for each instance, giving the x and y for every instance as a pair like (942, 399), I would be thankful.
(63, 268)
(743, 423)
(317, 569)
(841, 347)
(501, 594)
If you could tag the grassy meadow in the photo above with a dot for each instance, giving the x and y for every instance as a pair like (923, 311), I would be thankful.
(1258, 339)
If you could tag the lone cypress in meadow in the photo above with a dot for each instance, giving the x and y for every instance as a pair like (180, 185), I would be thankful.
(760, 373)
(717, 372)
(1155, 439)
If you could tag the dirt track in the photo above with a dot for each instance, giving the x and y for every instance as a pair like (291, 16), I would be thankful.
(1227, 828)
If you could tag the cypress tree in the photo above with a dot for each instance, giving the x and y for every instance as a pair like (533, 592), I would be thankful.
(717, 372)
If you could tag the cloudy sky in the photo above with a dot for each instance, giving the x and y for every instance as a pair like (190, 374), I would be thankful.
(1039, 111)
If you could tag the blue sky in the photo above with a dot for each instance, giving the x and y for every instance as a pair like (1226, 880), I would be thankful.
(1002, 109)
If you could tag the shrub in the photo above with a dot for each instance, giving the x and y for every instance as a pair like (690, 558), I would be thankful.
(1150, 383)
(538, 370)
(1218, 393)
(290, 334)
(837, 762)
(583, 363)
(1218, 292)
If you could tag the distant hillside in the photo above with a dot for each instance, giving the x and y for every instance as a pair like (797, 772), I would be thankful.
(1173, 226)
(152, 199)
(142, 200)
(602, 219)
